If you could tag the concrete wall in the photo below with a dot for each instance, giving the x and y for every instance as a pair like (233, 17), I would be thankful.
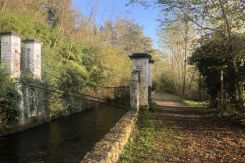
(33, 105)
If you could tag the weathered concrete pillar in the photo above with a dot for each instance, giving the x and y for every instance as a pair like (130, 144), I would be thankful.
(19, 88)
(141, 65)
(150, 80)
(32, 58)
(134, 91)
(11, 62)
(10, 53)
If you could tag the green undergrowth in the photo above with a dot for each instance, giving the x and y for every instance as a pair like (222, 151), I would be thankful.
(151, 141)
(205, 112)
(191, 103)
(9, 99)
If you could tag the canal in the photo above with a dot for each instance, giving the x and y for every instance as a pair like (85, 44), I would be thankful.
(65, 140)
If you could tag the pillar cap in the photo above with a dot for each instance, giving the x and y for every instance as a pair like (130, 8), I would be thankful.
(139, 55)
(32, 41)
(7, 33)
(151, 61)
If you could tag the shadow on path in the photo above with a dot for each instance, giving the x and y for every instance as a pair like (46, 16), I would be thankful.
(206, 137)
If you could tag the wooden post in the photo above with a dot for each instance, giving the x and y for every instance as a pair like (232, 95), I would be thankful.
(200, 87)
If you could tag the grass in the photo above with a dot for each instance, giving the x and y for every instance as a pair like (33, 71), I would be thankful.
(190, 103)
(151, 141)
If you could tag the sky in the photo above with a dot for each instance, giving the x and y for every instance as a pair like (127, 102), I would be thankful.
(110, 9)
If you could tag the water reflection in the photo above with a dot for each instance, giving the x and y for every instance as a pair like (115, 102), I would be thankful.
(64, 140)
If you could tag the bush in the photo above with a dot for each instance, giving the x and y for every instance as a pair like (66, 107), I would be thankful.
(9, 100)
(166, 84)
(216, 53)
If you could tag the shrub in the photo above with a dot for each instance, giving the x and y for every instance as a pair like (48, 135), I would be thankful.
(166, 84)
(9, 100)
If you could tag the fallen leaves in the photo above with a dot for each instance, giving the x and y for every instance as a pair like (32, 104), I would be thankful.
(187, 137)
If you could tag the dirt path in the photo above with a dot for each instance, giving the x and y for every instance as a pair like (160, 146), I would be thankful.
(203, 137)
(175, 133)
(165, 99)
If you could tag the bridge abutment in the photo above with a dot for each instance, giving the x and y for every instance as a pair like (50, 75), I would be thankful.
(33, 102)
(141, 81)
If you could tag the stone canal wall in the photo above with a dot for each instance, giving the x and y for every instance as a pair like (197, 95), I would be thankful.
(110, 147)
(33, 116)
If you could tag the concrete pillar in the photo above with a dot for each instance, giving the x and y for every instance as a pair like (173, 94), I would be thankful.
(18, 87)
(32, 58)
(10, 53)
(141, 65)
(134, 91)
(150, 80)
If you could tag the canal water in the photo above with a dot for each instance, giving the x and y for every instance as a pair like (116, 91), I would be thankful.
(65, 140)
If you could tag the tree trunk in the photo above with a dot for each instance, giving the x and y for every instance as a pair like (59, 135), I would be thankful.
(57, 37)
(240, 96)
(200, 87)
(4, 5)
(185, 55)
